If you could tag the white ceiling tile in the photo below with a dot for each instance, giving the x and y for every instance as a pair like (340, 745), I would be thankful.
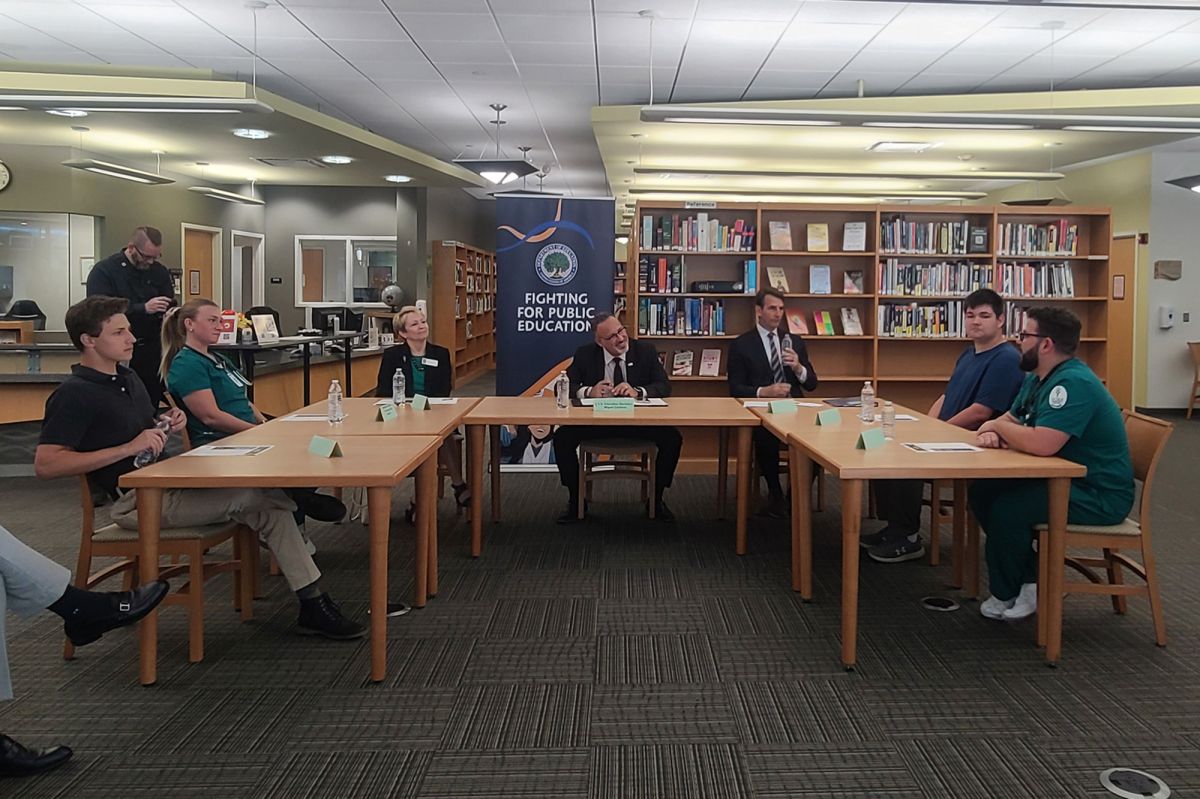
(206, 44)
(290, 48)
(471, 53)
(663, 9)
(924, 17)
(1102, 42)
(1033, 17)
(142, 58)
(755, 10)
(398, 70)
(635, 75)
(559, 73)
(874, 59)
(446, 6)
(1182, 45)
(400, 49)
(964, 60)
(340, 24)
(877, 84)
(1009, 41)
(837, 11)
(480, 73)
(706, 94)
(1158, 21)
(526, 53)
(808, 59)
(165, 18)
(450, 27)
(793, 78)
(721, 35)
(805, 34)
(627, 93)
(1038, 66)
(541, 7)
(559, 28)
(235, 20)
(757, 92)
(940, 84)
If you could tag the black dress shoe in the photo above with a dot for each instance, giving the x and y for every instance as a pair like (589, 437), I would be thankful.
(571, 514)
(321, 616)
(121, 609)
(778, 508)
(21, 761)
(662, 513)
(320, 507)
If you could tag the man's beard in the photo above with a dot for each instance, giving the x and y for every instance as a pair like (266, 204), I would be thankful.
(1029, 360)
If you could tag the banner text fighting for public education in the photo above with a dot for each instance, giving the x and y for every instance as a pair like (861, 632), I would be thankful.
(554, 312)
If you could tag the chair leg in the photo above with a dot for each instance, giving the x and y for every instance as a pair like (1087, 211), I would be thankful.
(644, 460)
(820, 480)
(237, 577)
(247, 571)
(1115, 577)
(1156, 609)
(651, 503)
(1043, 552)
(195, 605)
(579, 494)
(935, 522)
(872, 512)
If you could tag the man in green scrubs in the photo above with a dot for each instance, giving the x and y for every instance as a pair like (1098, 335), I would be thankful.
(1062, 409)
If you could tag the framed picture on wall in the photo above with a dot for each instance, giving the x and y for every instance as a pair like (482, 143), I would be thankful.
(86, 262)
(193, 281)
(177, 279)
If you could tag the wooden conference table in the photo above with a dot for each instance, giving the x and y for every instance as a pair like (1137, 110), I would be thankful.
(834, 447)
(379, 463)
(492, 412)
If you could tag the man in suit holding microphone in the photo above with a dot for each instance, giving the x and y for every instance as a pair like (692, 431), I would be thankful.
(616, 366)
(772, 364)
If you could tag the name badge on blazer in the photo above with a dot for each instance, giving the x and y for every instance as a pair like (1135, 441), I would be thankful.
(429, 361)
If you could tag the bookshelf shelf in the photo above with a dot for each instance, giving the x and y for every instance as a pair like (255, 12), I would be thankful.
(939, 256)
(463, 306)
(831, 296)
(819, 254)
(697, 252)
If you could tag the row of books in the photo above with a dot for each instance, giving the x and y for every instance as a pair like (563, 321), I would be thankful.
(477, 305)
(940, 319)
(819, 281)
(479, 283)
(1059, 237)
(899, 235)
(854, 236)
(682, 316)
(683, 363)
(823, 322)
(666, 276)
(696, 234)
(1035, 280)
(898, 279)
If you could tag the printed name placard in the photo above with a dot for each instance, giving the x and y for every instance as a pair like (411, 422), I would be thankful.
(781, 406)
(829, 417)
(385, 413)
(870, 438)
(420, 402)
(613, 405)
(324, 447)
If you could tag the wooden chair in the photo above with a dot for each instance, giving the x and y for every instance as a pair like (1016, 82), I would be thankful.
(1147, 439)
(187, 543)
(631, 459)
(1194, 348)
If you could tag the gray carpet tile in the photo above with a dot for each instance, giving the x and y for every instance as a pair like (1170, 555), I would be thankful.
(618, 657)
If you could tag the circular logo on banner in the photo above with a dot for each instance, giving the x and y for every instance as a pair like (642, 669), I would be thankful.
(556, 264)
(1058, 397)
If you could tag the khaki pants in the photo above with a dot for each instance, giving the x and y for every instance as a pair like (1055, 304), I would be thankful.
(268, 512)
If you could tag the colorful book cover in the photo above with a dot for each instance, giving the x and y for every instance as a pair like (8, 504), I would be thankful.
(710, 363)
(681, 365)
(818, 237)
(778, 278)
(854, 237)
(781, 235)
(824, 325)
(852, 281)
(851, 324)
(796, 321)
(818, 279)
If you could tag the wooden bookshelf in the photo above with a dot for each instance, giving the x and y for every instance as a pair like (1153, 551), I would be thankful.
(908, 367)
(463, 306)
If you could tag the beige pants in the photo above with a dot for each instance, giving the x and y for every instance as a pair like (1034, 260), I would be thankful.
(266, 511)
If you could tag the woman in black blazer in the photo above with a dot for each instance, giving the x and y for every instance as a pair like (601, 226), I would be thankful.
(428, 371)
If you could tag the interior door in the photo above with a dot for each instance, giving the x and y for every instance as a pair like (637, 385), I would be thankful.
(198, 258)
(313, 269)
(1121, 288)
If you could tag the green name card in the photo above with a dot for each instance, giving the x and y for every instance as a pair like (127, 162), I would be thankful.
(871, 438)
(420, 402)
(324, 447)
(828, 417)
(781, 406)
(386, 412)
(613, 405)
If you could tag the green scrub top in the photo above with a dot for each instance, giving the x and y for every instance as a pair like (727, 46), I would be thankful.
(418, 372)
(1072, 400)
(194, 371)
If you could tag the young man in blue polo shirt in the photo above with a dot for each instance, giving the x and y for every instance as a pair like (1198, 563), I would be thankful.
(986, 378)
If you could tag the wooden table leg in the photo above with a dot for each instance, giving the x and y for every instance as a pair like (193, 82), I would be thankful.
(959, 532)
(971, 588)
(851, 527)
(475, 479)
(149, 513)
(1060, 496)
(800, 469)
(494, 452)
(722, 469)
(379, 508)
(743, 486)
(431, 531)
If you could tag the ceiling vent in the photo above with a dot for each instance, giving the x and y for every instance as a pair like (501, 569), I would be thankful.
(294, 163)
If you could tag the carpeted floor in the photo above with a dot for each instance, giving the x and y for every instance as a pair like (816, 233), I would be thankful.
(618, 658)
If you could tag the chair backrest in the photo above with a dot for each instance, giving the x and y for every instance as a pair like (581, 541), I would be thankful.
(1147, 440)
(1194, 348)
(87, 508)
(27, 310)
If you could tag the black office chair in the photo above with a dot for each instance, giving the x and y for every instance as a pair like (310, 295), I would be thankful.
(26, 311)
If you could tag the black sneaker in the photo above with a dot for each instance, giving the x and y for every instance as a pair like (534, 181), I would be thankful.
(320, 507)
(394, 609)
(571, 514)
(897, 551)
(881, 536)
(321, 616)
(662, 513)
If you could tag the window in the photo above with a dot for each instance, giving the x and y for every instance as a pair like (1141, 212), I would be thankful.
(45, 258)
(343, 270)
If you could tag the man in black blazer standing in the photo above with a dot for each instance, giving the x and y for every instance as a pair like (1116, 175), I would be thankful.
(616, 366)
(770, 363)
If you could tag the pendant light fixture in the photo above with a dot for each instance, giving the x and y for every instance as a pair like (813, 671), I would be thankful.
(498, 170)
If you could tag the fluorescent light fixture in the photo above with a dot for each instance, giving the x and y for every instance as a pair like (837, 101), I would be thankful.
(117, 171)
(752, 121)
(949, 125)
(227, 196)
(12, 108)
(903, 146)
(137, 103)
(397, 178)
(336, 159)
(1130, 129)
(71, 113)
(251, 133)
(686, 194)
(498, 171)
(1192, 183)
(981, 174)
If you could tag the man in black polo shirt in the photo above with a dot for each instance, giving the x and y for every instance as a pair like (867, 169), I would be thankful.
(135, 274)
(100, 419)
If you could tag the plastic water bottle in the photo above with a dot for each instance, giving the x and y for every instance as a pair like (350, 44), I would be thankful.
(398, 390)
(888, 418)
(867, 399)
(147, 456)
(562, 391)
(335, 402)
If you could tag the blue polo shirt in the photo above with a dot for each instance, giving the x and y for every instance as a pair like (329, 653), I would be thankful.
(992, 378)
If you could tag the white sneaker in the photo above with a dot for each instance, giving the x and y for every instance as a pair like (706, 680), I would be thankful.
(992, 608)
(1025, 604)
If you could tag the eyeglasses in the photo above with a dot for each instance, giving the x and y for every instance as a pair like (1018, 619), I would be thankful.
(1024, 335)
(620, 332)
(147, 258)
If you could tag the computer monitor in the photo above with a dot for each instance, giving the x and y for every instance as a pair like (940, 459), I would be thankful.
(322, 318)
(352, 321)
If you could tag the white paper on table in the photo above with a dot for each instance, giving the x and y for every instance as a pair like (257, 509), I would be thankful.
(756, 404)
(900, 417)
(304, 417)
(227, 450)
(432, 401)
(943, 446)
(652, 402)
(814, 405)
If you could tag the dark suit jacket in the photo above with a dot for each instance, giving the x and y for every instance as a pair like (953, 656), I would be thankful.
(749, 369)
(439, 380)
(642, 369)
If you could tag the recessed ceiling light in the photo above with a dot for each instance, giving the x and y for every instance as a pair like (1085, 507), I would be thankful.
(336, 159)
(903, 146)
(397, 178)
(66, 112)
(948, 125)
(251, 133)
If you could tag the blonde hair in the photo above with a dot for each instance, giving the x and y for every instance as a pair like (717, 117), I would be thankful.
(401, 315)
(174, 332)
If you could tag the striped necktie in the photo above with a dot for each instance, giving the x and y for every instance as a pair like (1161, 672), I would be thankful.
(776, 363)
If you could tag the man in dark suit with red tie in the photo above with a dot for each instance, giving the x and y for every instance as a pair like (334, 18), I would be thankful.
(616, 366)
(770, 363)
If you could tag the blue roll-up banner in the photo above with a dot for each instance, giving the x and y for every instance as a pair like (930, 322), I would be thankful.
(554, 271)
